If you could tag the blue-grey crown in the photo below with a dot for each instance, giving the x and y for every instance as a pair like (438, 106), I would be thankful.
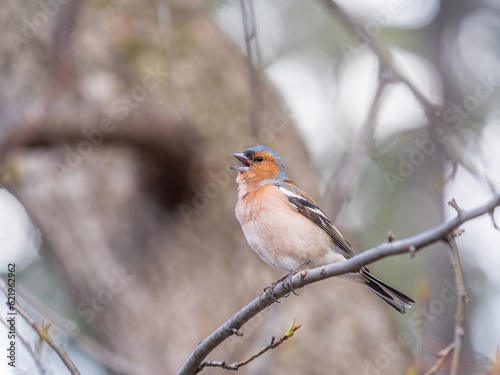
(282, 175)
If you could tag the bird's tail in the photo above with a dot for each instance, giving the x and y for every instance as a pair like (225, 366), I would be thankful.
(393, 297)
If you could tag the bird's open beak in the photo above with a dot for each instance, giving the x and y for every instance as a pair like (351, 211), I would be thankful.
(245, 163)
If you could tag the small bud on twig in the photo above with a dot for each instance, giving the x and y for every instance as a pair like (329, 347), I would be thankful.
(390, 236)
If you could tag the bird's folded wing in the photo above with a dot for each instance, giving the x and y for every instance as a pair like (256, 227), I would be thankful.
(305, 205)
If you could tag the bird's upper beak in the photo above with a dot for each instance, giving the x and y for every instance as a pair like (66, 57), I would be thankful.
(245, 163)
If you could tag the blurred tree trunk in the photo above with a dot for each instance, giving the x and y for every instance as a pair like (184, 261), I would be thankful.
(119, 135)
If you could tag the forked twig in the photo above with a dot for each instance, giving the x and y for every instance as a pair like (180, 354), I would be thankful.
(236, 365)
(43, 333)
(386, 61)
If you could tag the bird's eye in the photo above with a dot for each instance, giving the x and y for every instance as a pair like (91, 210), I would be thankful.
(259, 159)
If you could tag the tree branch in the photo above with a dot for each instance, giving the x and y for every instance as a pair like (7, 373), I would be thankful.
(383, 55)
(442, 356)
(417, 242)
(456, 345)
(30, 350)
(433, 112)
(43, 333)
(462, 299)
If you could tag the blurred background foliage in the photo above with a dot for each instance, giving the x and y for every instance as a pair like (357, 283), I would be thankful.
(117, 122)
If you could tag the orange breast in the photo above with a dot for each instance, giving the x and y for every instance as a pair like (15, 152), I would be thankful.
(280, 235)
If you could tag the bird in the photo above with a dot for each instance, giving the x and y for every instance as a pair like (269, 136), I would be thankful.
(286, 227)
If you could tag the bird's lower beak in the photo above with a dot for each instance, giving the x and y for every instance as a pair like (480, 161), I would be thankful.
(245, 163)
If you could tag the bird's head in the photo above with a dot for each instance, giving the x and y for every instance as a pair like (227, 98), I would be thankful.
(259, 164)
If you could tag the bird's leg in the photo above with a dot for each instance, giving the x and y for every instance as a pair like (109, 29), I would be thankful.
(273, 285)
(287, 279)
(269, 289)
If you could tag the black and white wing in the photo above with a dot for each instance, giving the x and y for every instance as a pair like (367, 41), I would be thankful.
(306, 206)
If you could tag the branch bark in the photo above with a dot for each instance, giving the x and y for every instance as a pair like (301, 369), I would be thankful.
(456, 345)
(414, 243)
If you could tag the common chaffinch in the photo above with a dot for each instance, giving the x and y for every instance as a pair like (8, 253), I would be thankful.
(287, 229)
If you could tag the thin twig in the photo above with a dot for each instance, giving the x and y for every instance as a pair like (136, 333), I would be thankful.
(492, 217)
(433, 112)
(94, 349)
(236, 365)
(352, 167)
(462, 299)
(442, 356)
(453, 203)
(382, 53)
(422, 294)
(28, 347)
(43, 333)
(433, 235)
